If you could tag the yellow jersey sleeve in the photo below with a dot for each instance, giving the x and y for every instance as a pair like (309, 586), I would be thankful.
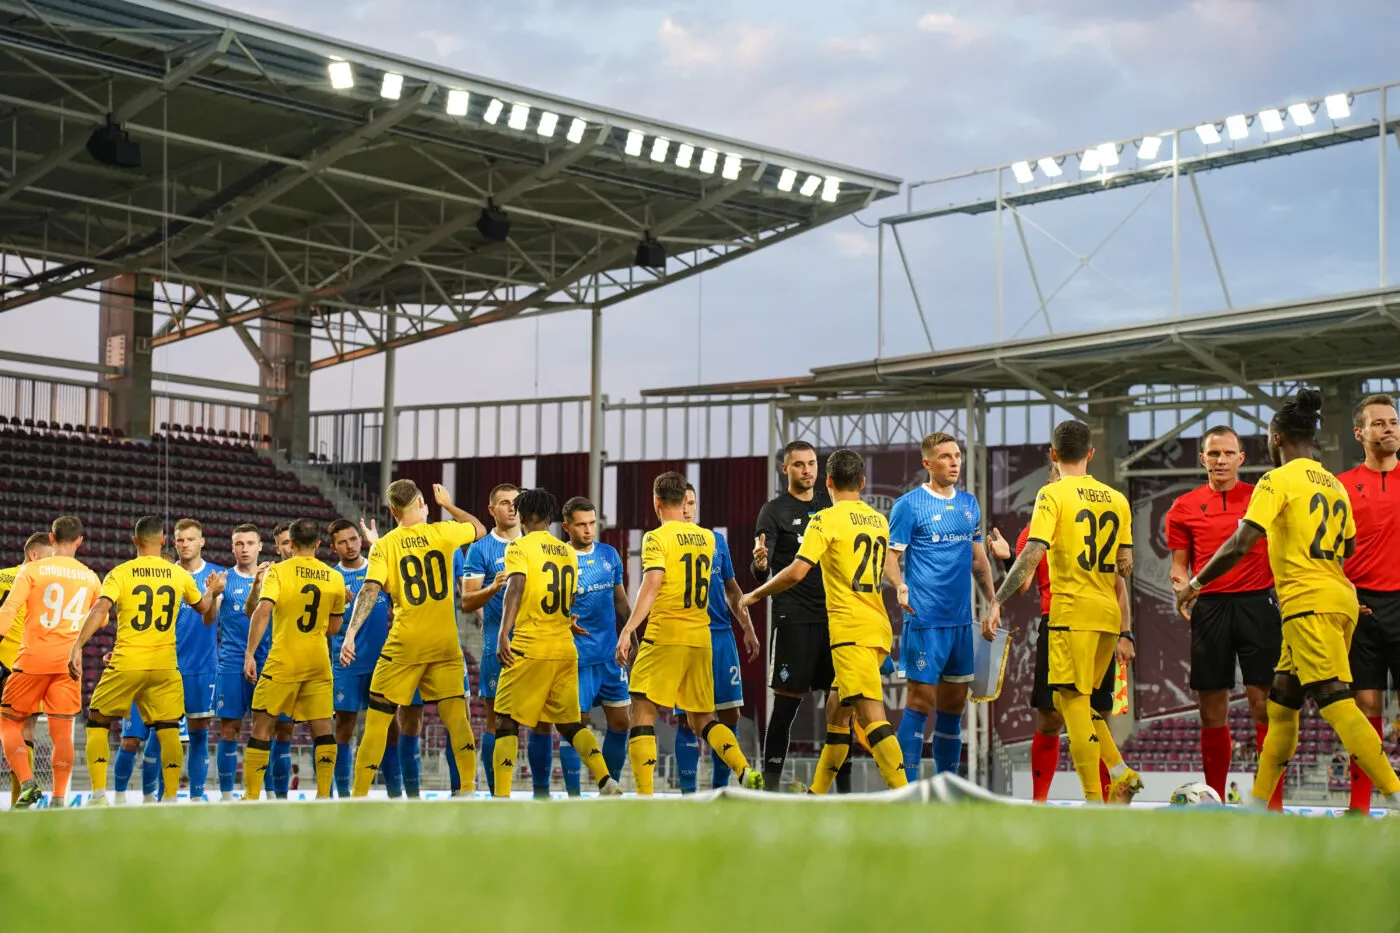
(814, 540)
(1125, 517)
(112, 585)
(653, 552)
(517, 561)
(271, 585)
(1046, 517)
(1265, 503)
(378, 570)
(338, 601)
(190, 589)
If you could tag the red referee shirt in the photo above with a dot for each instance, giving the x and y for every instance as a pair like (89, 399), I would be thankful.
(1375, 504)
(1202, 520)
(1042, 572)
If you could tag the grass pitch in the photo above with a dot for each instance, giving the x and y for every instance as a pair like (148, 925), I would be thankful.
(662, 866)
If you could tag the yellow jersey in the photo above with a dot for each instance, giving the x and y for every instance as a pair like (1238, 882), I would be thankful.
(305, 595)
(550, 569)
(9, 645)
(413, 564)
(684, 552)
(1083, 523)
(1306, 514)
(147, 592)
(849, 542)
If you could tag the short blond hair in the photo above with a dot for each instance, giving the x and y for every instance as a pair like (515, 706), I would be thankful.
(934, 440)
(185, 524)
(401, 494)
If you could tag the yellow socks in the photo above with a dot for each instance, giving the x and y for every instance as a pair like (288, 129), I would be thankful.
(723, 742)
(889, 757)
(641, 754)
(462, 742)
(1280, 742)
(324, 751)
(586, 744)
(97, 753)
(834, 753)
(255, 759)
(172, 759)
(1083, 741)
(503, 763)
(370, 752)
(1360, 740)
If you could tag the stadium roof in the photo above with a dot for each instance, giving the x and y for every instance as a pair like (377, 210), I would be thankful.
(1354, 335)
(264, 190)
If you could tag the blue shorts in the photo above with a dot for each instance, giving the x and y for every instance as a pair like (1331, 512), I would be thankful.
(491, 674)
(929, 655)
(724, 661)
(352, 692)
(199, 695)
(133, 727)
(602, 683)
(233, 696)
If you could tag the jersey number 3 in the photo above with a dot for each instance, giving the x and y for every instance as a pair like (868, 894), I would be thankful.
(1096, 556)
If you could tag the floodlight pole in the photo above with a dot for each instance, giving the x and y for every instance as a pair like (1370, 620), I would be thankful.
(1176, 223)
(388, 424)
(1384, 136)
(595, 413)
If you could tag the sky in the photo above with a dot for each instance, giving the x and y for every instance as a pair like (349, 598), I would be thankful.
(914, 90)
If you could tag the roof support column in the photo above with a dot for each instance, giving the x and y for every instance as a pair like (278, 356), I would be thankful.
(1108, 431)
(124, 340)
(595, 416)
(388, 419)
(286, 344)
(1336, 439)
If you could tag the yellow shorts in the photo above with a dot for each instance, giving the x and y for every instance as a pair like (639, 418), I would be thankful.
(536, 690)
(675, 676)
(303, 700)
(1317, 647)
(396, 681)
(1078, 659)
(858, 672)
(158, 695)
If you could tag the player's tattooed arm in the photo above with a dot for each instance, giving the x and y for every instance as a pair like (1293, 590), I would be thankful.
(364, 605)
(1021, 571)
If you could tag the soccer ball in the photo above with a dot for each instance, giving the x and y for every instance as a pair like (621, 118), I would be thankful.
(1195, 794)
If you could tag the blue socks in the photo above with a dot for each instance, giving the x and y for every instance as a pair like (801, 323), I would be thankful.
(409, 763)
(125, 765)
(389, 770)
(228, 766)
(721, 770)
(687, 758)
(540, 749)
(197, 761)
(150, 767)
(488, 753)
(615, 752)
(911, 741)
(281, 768)
(344, 767)
(572, 766)
(947, 742)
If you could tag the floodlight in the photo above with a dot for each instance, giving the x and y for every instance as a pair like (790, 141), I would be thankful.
(342, 76)
(1108, 154)
(831, 188)
(685, 152)
(1049, 168)
(1237, 126)
(576, 128)
(548, 121)
(786, 179)
(810, 185)
(708, 158)
(1302, 114)
(732, 165)
(1271, 120)
(1149, 147)
(519, 116)
(1338, 107)
(493, 111)
(1209, 133)
(1089, 160)
(1022, 172)
(457, 101)
(634, 143)
(392, 86)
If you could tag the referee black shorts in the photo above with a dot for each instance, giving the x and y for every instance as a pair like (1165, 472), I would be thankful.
(1375, 648)
(1043, 695)
(1229, 626)
(800, 661)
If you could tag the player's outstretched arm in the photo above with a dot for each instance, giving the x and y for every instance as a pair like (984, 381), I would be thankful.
(982, 572)
(96, 618)
(622, 607)
(1246, 535)
(364, 605)
(646, 598)
(510, 608)
(792, 574)
(209, 600)
(894, 576)
(262, 616)
(250, 605)
(444, 499)
(734, 597)
(1021, 572)
(475, 596)
(12, 603)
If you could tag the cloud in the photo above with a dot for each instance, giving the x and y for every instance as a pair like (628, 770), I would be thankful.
(961, 31)
(854, 244)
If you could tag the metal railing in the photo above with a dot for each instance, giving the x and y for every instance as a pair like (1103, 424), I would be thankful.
(54, 401)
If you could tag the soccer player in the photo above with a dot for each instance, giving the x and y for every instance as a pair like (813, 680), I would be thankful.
(1237, 617)
(484, 582)
(56, 593)
(233, 694)
(850, 541)
(724, 658)
(539, 660)
(37, 547)
(1375, 504)
(601, 607)
(145, 591)
(304, 600)
(282, 733)
(423, 653)
(351, 681)
(673, 666)
(1085, 528)
(937, 528)
(800, 656)
(1306, 514)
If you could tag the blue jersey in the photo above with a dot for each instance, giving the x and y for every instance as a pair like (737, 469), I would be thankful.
(369, 640)
(195, 642)
(233, 625)
(936, 536)
(599, 574)
(721, 572)
(485, 558)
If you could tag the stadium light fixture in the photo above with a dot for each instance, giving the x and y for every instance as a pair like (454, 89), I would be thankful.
(1089, 160)
(809, 186)
(1338, 106)
(342, 75)
(1209, 133)
(1237, 126)
(547, 124)
(493, 111)
(634, 143)
(1271, 120)
(1302, 114)
(685, 153)
(1108, 154)
(831, 188)
(1148, 147)
(733, 164)
(519, 116)
(576, 128)
(493, 224)
(786, 179)
(392, 86)
(708, 158)
(1049, 167)
(659, 147)
(1022, 172)
(651, 254)
(457, 102)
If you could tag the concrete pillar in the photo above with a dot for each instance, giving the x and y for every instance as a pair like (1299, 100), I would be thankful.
(1108, 428)
(286, 342)
(124, 340)
(1336, 439)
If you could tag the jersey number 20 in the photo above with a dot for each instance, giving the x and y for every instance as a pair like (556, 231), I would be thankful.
(872, 553)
